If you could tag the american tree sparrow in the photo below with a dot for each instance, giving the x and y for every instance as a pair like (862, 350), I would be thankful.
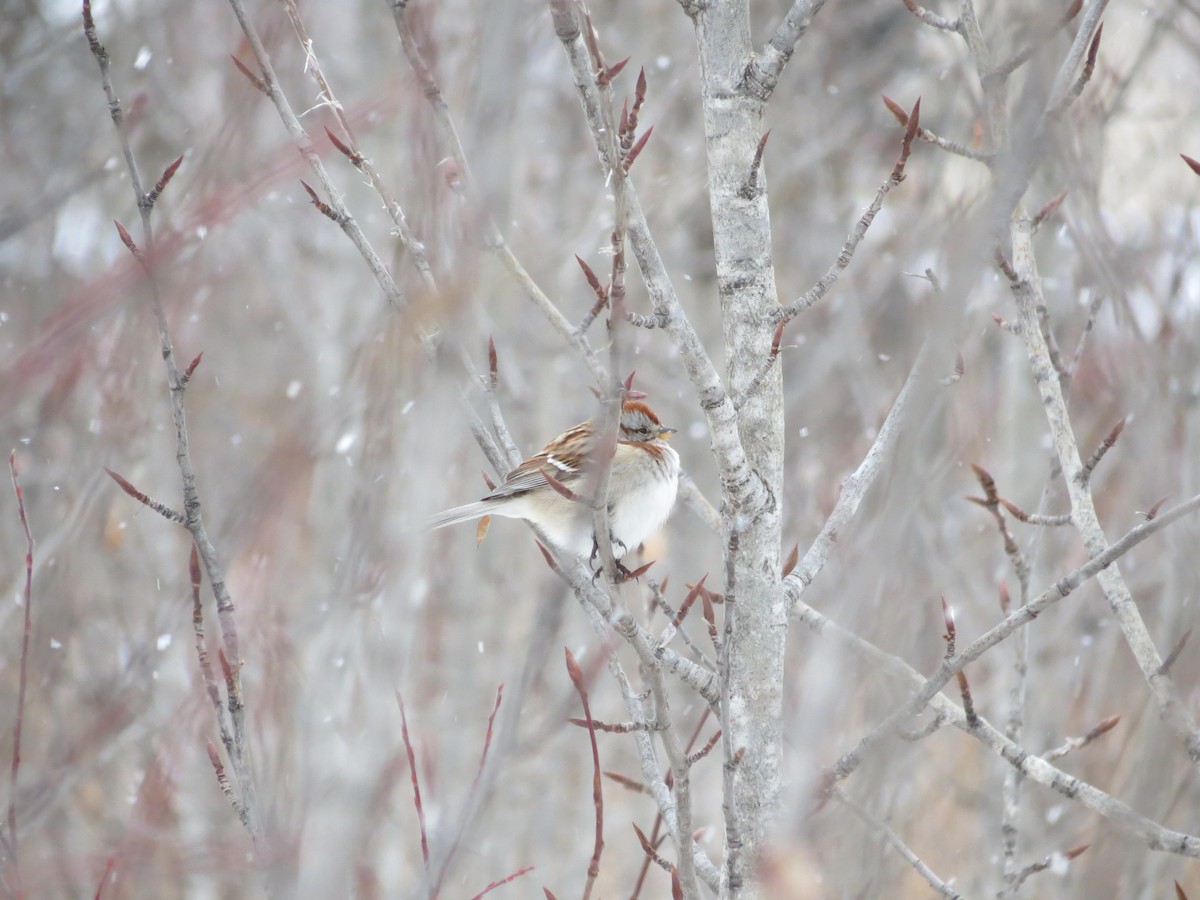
(641, 487)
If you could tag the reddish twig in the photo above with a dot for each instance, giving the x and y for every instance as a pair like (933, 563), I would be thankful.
(1072, 744)
(163, 181)
(1107, 444)
(992, 504)
(254, 79)
(963, 687)
(161, 508)
(23, 676)
(222, 779)
(1046, 863)
(495, 884)
(416, 782)
(577, 679)
(463, 820)
(937, 140)
(109, 865)
(1051, 207)
(650, 851)
(325, 209)
(1174, 654)
(694, 758)
(628, 783)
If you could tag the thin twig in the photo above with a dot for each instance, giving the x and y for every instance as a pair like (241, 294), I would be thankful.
(416, 782)
(247, 804)
(597, 792)
(821, 288)
(937, 140)
(22, 678)
(1061, 589)
(932, 19)
(494, 239)
(854, 488)
(1033, 767)
(894, 840)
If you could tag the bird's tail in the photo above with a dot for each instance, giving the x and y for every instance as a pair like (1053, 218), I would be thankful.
(460, 514)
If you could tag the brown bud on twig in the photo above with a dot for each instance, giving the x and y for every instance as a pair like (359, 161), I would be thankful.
(705, 750)
(1192, 164)
(895, 109)
(636, 150)
(1103, 728)
(1105, 446)
(751, 186)
(493, 365)
(638, 572)
(793, 558)
(165, 511)
(686, 606)
(127, 240)
(592, 280)
(649, 850)
(951, 633)
(319, 203)
(1005, 599)
(1048, 210)
(914, 125)
(1174, 654)
(487, 479)
(187, 373)
(193, 364)
(1152, 513)
(254, 79)
(354, 156)
(194, 569)
(559, 487)
(606, 76)
(163, 181)
(987, 483)
(1007, 268)
(628, 783)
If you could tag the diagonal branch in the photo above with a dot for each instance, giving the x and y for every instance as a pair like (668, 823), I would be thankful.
(950, 667)
(763, 72)
(854, 488)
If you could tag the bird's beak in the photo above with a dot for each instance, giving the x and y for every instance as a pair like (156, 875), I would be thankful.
(666, 433)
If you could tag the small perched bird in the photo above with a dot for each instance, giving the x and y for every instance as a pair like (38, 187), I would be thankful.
(641, 488)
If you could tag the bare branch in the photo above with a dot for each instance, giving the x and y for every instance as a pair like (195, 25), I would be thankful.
(762, 74)
(854, 488)
(896, 843)
(932, 19)
(1062, 588)
(821, 288)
